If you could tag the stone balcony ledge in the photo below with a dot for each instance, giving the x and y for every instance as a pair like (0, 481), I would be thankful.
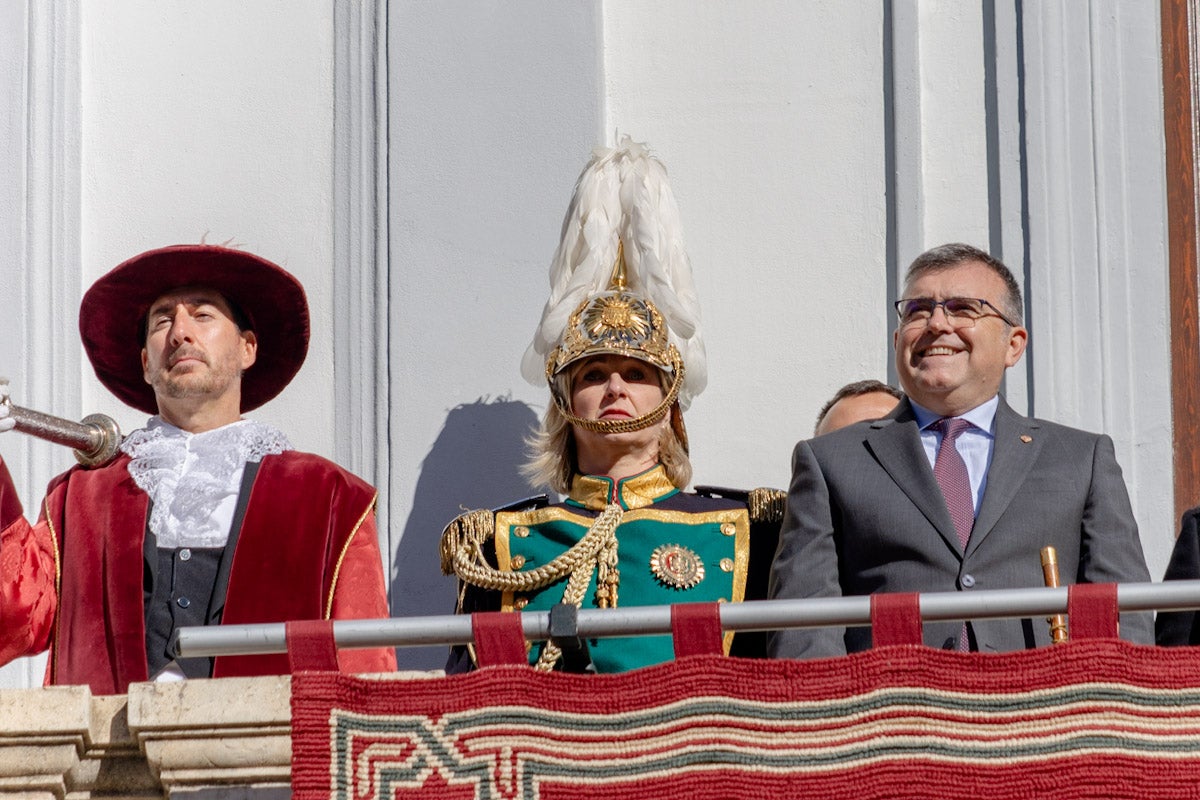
(198, 740)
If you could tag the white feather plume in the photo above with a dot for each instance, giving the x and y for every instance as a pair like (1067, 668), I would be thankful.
(623, 193)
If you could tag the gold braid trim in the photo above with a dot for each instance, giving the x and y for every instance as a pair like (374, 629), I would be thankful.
(470, 565)
(608, 577)
(603, 558)
(576, 588)
(57, 589)
(766, 505)
(462, 555)
(337, 570)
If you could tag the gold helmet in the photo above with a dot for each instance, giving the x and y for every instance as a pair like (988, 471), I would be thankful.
(616, 322)
(621, 284)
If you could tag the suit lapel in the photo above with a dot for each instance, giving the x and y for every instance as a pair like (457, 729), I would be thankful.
(1014, 452)
(896, 443)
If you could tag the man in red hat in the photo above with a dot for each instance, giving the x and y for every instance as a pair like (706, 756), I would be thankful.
(204, 517)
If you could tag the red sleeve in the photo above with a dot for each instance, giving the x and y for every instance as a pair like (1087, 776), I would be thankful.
(361, 593)
(28, 599)
(10, 504)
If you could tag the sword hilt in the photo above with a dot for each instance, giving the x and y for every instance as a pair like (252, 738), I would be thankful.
(96, 439)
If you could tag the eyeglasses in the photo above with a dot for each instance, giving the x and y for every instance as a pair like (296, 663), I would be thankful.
(961, 312)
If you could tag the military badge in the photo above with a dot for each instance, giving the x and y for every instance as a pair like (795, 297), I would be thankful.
(676, 566)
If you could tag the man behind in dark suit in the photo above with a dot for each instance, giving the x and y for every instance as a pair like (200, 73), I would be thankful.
(857, 402)
(866, 514)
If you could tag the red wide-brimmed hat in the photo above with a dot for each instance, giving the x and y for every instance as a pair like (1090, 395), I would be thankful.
(114, 310)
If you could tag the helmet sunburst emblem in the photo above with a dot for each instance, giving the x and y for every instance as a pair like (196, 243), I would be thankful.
(615, 317)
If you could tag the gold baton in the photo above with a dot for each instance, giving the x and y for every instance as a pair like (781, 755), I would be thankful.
(1058, 623)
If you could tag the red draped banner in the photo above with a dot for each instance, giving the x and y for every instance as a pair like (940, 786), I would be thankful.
(1093, 718)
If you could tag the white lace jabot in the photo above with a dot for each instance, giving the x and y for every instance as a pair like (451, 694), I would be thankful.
(193, 479)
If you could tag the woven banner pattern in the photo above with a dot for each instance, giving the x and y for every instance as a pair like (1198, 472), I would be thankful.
(1087, 719)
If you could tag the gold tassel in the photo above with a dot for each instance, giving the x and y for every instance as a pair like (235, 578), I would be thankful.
(766, 505)
(608, 577)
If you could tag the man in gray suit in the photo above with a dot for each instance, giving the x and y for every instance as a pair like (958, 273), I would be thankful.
(865, 512)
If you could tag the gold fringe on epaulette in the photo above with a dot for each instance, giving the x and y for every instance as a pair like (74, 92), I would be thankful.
(466, 533)
(766, 505)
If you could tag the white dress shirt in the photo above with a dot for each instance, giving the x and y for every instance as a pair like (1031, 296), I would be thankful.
(975, 444)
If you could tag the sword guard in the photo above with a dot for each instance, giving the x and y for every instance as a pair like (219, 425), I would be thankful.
(108, 441)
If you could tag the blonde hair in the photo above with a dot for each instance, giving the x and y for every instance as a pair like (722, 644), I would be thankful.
(554, 459)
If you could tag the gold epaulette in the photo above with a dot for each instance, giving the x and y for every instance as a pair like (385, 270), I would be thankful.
(766, 505)
(466, 532)
(469, 530)
(762, 505)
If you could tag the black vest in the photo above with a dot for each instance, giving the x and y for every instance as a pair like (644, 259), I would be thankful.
(185, 586)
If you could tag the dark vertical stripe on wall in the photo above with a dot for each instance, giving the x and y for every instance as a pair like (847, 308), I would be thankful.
(1023, 161)
(996, 199)
(383, 281)
(1179, 73)
(889, 172)
(991, 108)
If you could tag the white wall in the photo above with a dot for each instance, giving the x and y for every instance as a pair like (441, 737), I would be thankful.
(214, 121)
(1097, 254)
(494, 109)
(13, 54)
(771, 125)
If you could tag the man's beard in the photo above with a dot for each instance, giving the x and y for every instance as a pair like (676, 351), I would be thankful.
(201, 381)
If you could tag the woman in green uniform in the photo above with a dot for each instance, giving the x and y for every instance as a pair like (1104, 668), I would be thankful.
(620, 348)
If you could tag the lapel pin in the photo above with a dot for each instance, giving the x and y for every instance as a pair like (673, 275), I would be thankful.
(1026, 438)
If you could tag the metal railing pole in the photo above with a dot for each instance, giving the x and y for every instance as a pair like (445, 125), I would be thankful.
(759, 615)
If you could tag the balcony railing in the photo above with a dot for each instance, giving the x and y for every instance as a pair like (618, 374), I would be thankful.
(759, 615)
(732, 723)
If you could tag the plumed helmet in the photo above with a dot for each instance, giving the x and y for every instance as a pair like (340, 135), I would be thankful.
(621, 282)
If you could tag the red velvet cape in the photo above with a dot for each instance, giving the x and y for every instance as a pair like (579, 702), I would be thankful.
(302, 513)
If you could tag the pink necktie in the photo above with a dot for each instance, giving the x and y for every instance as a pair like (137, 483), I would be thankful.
(951, 473)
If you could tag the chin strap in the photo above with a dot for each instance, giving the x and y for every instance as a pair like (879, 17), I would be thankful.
(629, 425)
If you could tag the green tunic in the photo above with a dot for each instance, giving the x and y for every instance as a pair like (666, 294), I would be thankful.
(663, 535)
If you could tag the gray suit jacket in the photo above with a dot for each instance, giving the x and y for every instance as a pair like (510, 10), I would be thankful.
(864, 514)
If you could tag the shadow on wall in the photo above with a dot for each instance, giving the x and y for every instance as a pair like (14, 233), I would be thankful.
(474, 463)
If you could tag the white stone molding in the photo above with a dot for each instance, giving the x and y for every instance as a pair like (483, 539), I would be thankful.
(941, 132)
(52, 235)
(194, 737)
(42, 732)
(109, 761)
(211, 739)
(1006, 127)
(360, 299)
(940, 126)
(43, 356)
(1097, 239)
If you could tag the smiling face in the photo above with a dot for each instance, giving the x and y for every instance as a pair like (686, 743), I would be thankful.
(194, 353)
(612, 387)
(951, 370)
